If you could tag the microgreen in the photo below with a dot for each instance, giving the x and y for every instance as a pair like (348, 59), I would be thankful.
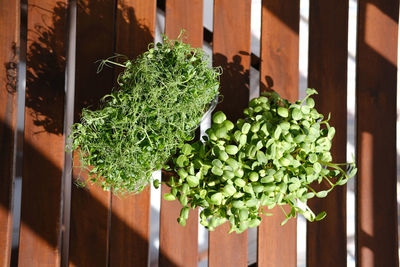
(272, 157)
(160, 100)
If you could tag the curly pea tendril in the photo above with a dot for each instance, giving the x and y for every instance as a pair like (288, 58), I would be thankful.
(161, 98)
(270, 158)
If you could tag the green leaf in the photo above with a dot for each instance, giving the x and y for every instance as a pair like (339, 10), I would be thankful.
(277, 132)
(217, 163)
(193, 180)
(181, 221)
(294, 187)
(311, 91)
(296, 114)
(353, 172)
(228, 125)
(317, 167)
(182, 173)
(229, 190)
(223, 155)
(253, 202)
(261, 158)
(283, 112)
(186, 149)
(221, 132)
(231, 149)
(240, 182)
(183, 200)
(255, 222)
(182, 161)
(237, 204)
(243, 214)
(217, 171)
(320, 216)
(331, 133)
(239, 173)
(169, 196)
(217, 198)
(156, 184)
(313, 158)
(305, 109)
(219, 117)
(322, 194)
(246, 128)
(253, 176)
(285, 221)
(232, 163)
(255, 127)
(243, 139)
(228, 175)
(310, 102)
(267, 179)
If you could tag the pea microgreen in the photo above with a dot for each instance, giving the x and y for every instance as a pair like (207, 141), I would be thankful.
(160, 100)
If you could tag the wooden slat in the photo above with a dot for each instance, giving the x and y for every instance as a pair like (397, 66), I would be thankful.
(43, 138)
(327, 73)
(178, 244)
(231, 51)
(279, 71)
(187, 15)
(9, 30)
(130, 218)
(90, 205)
(376, 133)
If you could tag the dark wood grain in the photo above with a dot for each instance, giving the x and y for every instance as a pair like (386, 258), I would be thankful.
(279, 71)
(130, 218)
(327, 73)
(178, 244)
(376, 81)
(9, 42)
(231, 51)
(43, 156)
(89, 223)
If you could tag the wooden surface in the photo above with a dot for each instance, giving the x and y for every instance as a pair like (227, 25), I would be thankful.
(130, 218)
(231, 51)
(187, 15)
(43, 138)
(178, 244)
(90, 205)
(9, 29)
(279, 68)
(327, 73)
(279, 71)
(377, 243)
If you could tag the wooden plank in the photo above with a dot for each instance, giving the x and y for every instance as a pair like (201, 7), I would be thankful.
(179, 245)
(43, 137)
(279, 71)
(9, 30)
(377, 241)
(231, 51)
(187, 15)
(90, 206)
(327, 72)
(279, 68)
(130, 218)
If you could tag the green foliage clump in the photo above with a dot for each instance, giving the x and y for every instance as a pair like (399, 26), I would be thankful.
(160, 101)
(270, 158)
